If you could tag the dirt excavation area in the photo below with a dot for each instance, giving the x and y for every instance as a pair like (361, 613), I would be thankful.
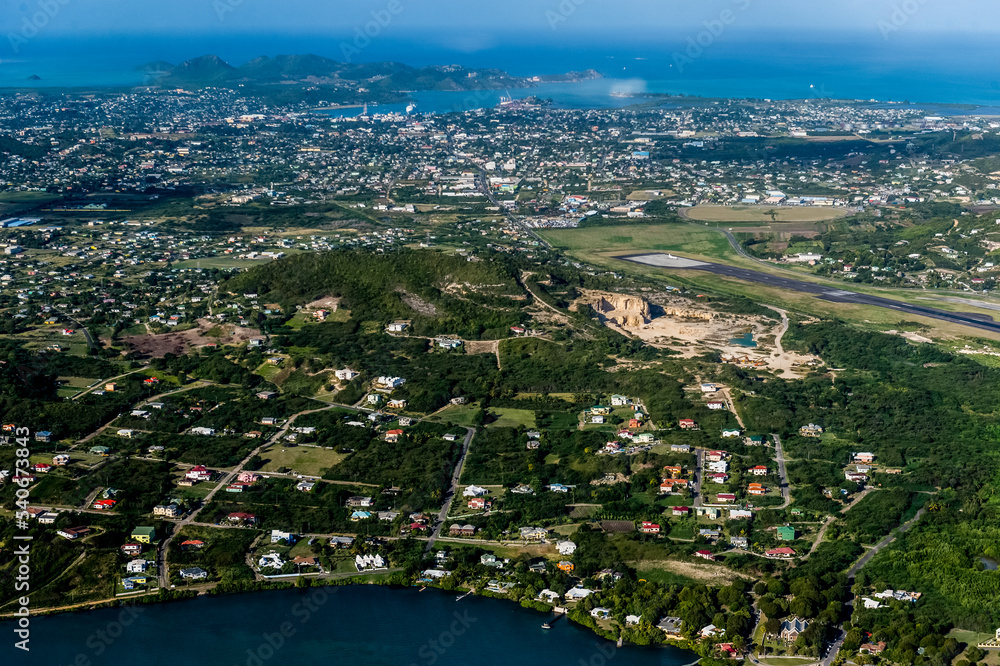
(204, 334)
(691, 328)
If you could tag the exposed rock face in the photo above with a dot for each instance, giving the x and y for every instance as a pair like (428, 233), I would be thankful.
(626, 311)
(634, 312)
(688, 314)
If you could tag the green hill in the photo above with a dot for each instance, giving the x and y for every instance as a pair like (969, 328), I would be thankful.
(440, 293)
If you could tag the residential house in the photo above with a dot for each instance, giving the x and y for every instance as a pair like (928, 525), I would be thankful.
(811, 430)
(705, 555)
(462, 530)
(739, 542)
(650, 528)
(136, 566)
(671, 626)
(791, 628)
(278, 536)
(578, 593)
(872, 648)
(168, 510)
(566, 547)
(144, 534)
(783, 553)
(786, 533)
(533, 533)
(687, 424)
(193, 573)
(759, 470)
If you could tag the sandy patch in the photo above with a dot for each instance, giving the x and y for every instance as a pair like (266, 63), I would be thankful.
(911, 336)
(690, 329)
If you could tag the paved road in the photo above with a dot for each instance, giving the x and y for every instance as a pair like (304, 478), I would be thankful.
(455, 476)
(161, 555)
(853, 571)
(823, 292)
(779, 457)
(698, 475)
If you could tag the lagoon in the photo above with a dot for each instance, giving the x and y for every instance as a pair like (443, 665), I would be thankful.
(362, 625)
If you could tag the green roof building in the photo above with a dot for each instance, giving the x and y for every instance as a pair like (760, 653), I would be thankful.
(786, 533)
(144, 534)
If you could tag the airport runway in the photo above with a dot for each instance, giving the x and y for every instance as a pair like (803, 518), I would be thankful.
(980, 321)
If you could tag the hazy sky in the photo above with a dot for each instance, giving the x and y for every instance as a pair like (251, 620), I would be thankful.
(470, 24)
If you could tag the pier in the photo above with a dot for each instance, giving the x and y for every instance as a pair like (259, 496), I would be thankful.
(557, 613)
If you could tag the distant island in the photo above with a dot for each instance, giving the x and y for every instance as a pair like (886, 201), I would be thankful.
(313, 77)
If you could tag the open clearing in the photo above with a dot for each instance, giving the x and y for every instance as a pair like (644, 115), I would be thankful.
(306, 460)
(702, 573)
(511, 418)
(157, 346)
(762, 213)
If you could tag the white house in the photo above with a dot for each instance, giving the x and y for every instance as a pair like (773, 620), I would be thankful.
(137, 566)
(566, 547)
(578, 593)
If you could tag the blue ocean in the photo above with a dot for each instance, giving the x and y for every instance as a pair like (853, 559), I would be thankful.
(960, 69)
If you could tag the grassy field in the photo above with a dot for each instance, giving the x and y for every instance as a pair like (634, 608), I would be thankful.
(512, 418)
(307, 460)
(973, 638)
(595, 242)
(763, 214)
(458, 414)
